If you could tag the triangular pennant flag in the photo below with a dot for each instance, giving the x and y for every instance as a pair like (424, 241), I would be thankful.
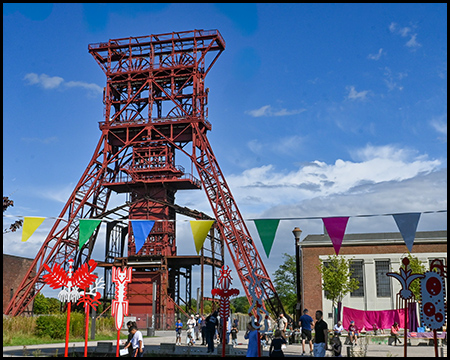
(407, 224)
(141, 229)
(30, 224)
(336, 230)
(266, 230)
(200, 229)
(87, 227)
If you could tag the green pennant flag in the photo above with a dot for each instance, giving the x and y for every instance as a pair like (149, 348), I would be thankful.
(87, 227)
(266, 230)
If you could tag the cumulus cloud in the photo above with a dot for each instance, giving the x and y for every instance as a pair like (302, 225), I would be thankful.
(54, 82)
(355, 95)
(267, 110)
(373, 165)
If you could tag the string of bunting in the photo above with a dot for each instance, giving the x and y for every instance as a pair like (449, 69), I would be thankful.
(267, 228)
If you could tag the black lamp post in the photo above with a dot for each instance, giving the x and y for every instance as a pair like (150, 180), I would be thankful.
(298, 309)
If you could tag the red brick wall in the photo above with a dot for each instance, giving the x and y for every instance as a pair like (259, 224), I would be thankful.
(14, 270)
(312, 281)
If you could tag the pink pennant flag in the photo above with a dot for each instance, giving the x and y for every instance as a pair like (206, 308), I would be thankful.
(336, 230)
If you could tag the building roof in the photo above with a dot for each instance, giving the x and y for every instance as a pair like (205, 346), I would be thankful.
(393, 238)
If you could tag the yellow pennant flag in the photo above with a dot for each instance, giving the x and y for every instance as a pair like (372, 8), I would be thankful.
(30, 224)
(200, 229)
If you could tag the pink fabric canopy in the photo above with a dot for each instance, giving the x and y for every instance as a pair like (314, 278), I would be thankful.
(383, 318)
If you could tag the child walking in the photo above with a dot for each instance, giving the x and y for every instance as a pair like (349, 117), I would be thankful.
(275, 345)
(234, 332)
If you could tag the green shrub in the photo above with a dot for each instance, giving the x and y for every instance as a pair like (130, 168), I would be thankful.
(52, 326)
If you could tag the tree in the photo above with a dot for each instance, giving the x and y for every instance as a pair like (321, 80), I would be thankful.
(285, 282)
(336, 279)
(240, 304)
(7, 202)
(40, 305)
(417, 267)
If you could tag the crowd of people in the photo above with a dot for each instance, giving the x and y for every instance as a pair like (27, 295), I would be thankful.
(210, 330)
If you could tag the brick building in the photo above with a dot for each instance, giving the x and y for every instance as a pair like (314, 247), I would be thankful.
(372, 256)
(14, 270)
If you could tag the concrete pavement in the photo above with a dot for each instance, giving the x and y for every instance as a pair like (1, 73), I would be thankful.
(164, 343)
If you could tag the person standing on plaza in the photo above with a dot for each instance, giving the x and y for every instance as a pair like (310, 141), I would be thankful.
(211, 324)
(197, 325)
(190, 330)
(320, 336)
(252, 336)
(203, 329)
(306, 322)
(282, 325)
(234, 332)
(178, 328)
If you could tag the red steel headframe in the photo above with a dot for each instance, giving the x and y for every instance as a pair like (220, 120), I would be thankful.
(154, 97)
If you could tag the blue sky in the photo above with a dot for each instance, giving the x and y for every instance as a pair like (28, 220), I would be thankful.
(317, 109)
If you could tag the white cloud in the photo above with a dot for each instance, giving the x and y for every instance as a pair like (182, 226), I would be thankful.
(54, 82)
(47, 82)
(355, 95)
(376, 56)
(391, 80)
(440, 124)
(319, 179)
(267, 110)
(405, 32)
(413, 43)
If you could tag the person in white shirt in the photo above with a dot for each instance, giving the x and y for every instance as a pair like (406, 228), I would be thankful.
(338, 328)
(190, 332)
(137, 342)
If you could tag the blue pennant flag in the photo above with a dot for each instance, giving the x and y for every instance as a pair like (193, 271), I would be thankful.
(407, 224)
(141, 229)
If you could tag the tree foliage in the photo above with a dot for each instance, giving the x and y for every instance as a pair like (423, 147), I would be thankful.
(7, 202)
(337, 281)
(285, 282)
(240, 304)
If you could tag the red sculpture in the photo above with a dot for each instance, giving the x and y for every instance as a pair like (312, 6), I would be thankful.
(224, 292)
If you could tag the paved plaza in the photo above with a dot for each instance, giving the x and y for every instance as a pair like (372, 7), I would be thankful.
(164, 343)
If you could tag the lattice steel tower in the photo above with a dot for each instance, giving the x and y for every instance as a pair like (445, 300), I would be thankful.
(155, 108)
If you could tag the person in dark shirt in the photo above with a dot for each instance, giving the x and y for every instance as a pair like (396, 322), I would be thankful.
(336, 345)
(211, 324)
(321, 335)
(276, 344)
(305, 322)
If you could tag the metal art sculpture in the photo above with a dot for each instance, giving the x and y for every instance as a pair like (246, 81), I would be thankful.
(119, 307)
(225, 293)
(70, 282)
(432, 291)
(406, 278)
(257, 307)
(90, 302)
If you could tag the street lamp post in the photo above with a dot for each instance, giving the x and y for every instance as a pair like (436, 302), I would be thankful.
(298, 309)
